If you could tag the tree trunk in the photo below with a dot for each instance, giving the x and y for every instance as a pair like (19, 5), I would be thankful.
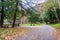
(2, 15)
(56, 16)
(31, 24)
(14, 19)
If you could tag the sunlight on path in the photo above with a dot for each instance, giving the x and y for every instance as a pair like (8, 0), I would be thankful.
(44, 32)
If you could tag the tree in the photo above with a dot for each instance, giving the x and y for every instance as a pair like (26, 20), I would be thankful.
(34, 17)
(2, 15)
(50, 16)
(7, 10)
(14, 19)
(54, 5)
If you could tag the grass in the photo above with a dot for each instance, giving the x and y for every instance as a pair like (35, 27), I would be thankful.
(55, 25)
(30, 24)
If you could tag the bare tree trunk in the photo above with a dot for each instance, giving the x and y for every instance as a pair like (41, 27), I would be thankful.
(2, 15)
(14, 19)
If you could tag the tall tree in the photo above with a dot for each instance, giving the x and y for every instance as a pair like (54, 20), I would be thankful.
(14, 19)
(2, 15)
(54, 4)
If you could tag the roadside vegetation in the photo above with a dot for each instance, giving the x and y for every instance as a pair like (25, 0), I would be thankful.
(55, 25)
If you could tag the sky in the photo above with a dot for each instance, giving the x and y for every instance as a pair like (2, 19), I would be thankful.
(27, 3)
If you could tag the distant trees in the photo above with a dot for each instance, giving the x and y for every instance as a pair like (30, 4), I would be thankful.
(52, 11)
(50, 16)
(34, 17)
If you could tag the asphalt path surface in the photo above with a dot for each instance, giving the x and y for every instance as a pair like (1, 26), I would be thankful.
(44, 32)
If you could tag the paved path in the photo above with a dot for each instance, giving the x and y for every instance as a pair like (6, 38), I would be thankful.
(44, 32)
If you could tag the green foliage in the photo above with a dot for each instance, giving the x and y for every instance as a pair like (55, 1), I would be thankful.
(9, 9)
(50, 16)
(51, 8)
(34, 17)
(58, 11)
(7, 3)
(51, 3)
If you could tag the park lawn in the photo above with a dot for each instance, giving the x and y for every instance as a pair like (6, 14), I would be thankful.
(30, 24)
(55, 25)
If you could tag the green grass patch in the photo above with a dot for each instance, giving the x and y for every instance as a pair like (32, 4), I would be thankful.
(25, 24)
(56, 25)
(38, 24)
(30, 24)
